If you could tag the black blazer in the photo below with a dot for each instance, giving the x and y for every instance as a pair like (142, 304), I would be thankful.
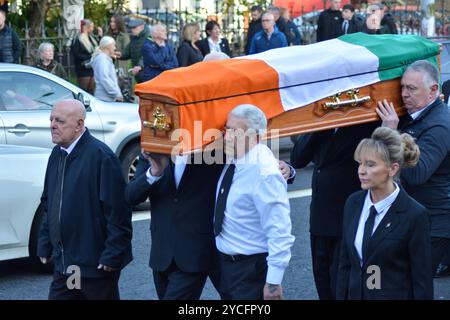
(429, 181)
(446, 90)
(335, 174)
(329, 25)
(400, 247)
(187, 55)
(253, 28)
(203, 45)
(182, 219)
(354, 25)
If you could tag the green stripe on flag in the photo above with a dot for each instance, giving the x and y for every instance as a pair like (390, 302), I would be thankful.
(395, 52)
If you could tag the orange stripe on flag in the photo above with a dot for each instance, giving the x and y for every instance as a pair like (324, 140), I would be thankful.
(201, 99)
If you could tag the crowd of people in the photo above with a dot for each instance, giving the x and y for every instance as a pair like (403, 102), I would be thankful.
(380, 201)
(380, 191)
(145, 53)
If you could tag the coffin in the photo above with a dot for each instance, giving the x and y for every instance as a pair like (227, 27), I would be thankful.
(301, 89)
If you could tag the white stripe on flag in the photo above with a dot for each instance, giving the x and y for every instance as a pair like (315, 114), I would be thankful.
(317, 62)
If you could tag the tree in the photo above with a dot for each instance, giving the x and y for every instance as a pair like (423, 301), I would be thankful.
(38, 12)
(35, 12)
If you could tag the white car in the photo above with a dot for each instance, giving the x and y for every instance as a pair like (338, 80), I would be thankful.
(27, 95)
(22, 172)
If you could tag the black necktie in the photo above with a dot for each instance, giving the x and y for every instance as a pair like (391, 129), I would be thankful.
(405, 121)
(368, 229)
(54, 209)
(345, 27)
(221, 202)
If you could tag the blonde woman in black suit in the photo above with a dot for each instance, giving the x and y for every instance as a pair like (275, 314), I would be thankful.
(188, 52)
(386, 251)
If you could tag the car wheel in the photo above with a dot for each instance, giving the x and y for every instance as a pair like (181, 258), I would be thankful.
(129, 160)
(32, 245)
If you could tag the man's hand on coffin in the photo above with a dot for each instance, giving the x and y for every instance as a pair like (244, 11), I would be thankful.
(285, 169)
(158, 162)
(387, 113)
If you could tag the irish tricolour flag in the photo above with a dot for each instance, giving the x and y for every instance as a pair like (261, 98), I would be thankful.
(282, 79)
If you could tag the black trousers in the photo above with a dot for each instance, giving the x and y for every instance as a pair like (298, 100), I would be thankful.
(243, 277)
(175, 284)
(325, 263)
(214, 275)
(440, 247)
(446, 258)
(104, 288)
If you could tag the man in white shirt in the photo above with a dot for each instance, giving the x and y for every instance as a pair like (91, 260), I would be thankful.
(252, 215)
(182, 197)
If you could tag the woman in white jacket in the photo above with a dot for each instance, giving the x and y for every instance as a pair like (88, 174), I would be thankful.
(106, 83)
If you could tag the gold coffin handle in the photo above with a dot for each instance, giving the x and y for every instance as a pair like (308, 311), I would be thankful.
(354, 100)
(159, 121)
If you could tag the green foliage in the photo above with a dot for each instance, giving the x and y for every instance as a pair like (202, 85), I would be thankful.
(18, 21)
(97, 11)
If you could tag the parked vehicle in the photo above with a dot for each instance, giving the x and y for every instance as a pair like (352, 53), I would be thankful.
(27, 95)
(22, 172)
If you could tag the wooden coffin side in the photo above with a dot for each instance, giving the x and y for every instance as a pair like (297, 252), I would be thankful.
(160, 116)
(316, 117)
(158, 135)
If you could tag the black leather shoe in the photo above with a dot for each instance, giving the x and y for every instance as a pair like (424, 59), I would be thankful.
(442, 271)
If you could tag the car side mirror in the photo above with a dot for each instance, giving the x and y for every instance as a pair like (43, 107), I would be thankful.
(84, 100)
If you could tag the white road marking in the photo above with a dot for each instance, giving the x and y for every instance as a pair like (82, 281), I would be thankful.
(141, 215)
(299, 193)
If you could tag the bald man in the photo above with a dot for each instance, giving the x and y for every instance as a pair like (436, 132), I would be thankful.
(158, 55)
(86, 229)
(269, 37)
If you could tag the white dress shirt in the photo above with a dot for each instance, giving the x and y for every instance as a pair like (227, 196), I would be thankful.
(73, 144)
(180, 165)
(214, 46)
(257, 214)
(382, 208)
(416, 114)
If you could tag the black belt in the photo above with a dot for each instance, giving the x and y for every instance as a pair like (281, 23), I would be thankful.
(239, 257)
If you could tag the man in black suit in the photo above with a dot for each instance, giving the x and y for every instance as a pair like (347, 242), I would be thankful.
(254, 26)
(446, 90)
(213, 42)
(330, 22)
(182, 203)
(428, 120)
(350, 22)
(182, 198)
(334, 179)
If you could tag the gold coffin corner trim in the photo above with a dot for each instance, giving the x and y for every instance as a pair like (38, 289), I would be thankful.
(338, 103)
(159, 121)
